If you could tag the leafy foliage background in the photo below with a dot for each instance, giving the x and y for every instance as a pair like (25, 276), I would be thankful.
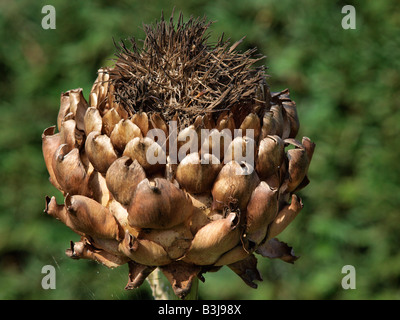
(346, 84)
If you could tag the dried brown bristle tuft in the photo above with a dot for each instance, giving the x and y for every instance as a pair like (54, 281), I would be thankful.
(177, 72)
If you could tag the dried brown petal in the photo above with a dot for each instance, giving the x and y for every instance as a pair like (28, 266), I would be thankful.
(240, 149)
(170, 169)
(236, 254)
(278, 118)
(234, 184)
(50, 144)
(90, 217)
(92, 120)
(148, 153)
(297, 169)
(293, 118)
(226, 121)
(201, 212)
(274, 249)
(251, 122)
(124, 131)
(122, 178)
(137, 274)
(309, 146)
(205, 122)
(159, 205)
(121, 215)
(195, 175)
(269, 125)
(247, 270)
(261, 211)
(55, 210)
(70, 171)
(78, 106)
(142, 121)
(145, 252)
(100, 151)
(98, 187)
(213, 240)
(100, 88)
(270, 156)
(285, 216)
(188, 141)
(68, 132)
(110, 119)
(108, 245)
(216, 143)
(64, 108)
(181, 276)
(82, 250)
(175, 241)
(156, 122)
(93, 102)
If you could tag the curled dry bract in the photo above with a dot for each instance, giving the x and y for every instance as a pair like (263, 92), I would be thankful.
(123, 177)
(159, 204)
(213, 240)
(234, 185)
(197, 175)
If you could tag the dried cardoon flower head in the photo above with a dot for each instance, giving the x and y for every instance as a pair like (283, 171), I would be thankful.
(181, 160)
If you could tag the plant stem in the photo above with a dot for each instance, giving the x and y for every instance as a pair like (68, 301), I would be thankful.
(194, 290)
(160, 286)
(162, 290)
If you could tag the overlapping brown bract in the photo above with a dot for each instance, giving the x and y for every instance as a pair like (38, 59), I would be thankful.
(186, 218)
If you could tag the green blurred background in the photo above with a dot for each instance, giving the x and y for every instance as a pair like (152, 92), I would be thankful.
(346, 84)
